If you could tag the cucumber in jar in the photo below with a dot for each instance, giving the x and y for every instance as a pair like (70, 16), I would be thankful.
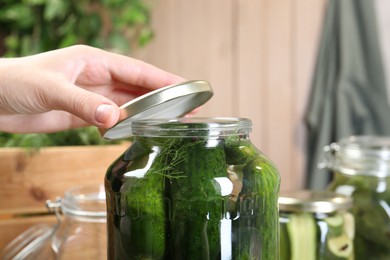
(121, 218)
(143, 227)
(307, 236)
(239, 150)
(254, 213)
(339, 237)
(256, 230)
(372, 239)
(197, 202)
(302, 232)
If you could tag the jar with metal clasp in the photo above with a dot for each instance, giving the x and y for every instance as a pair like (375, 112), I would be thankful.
(361, 170)
(81, 232)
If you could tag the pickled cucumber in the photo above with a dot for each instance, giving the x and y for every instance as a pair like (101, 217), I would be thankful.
(144, 224)
(339, 237)
(285, 248)
(302, 233)
(335, 225)
(371, 213)
(197, 203)
(257, 228)
(239, 150)
(341, 246)
(305, 235)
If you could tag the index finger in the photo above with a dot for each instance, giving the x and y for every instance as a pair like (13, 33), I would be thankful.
(136, 72)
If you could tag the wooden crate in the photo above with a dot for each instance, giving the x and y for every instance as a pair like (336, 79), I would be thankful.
(28, 179)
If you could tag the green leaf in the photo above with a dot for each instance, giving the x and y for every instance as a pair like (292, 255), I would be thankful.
(118, 42)
(145, 37)
(20, 15)
(11, 42)
(68, 40)
(54, 9)
(35, 2)
(134, 16)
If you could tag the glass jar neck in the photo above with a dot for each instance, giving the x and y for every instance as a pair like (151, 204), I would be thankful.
(86, 203)
(191, 127)
(362, 155)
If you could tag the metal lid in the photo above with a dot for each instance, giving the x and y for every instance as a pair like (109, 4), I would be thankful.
(167, 102)
(313, 201)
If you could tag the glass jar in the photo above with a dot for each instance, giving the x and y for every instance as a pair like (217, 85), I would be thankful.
(361, 167)
(315, 225)
(192, 188)
(33, 243)
(81, 233)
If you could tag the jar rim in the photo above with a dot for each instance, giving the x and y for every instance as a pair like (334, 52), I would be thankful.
(88, 201)
(313, 201)
(191, 127)
(363, 155)
(366, 145)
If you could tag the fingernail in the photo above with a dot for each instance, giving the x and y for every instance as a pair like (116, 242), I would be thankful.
(103, 113)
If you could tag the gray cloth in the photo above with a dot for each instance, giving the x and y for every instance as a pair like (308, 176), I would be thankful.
(348, 92)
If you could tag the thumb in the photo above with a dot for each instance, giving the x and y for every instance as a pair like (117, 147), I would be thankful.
(90, 107)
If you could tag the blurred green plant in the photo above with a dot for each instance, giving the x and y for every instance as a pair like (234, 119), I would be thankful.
(82, 136)
(33, 26)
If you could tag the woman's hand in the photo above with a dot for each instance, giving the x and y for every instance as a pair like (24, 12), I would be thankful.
(72, 87)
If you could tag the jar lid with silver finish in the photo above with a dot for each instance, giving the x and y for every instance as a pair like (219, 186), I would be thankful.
(168, 102)
(313, 201)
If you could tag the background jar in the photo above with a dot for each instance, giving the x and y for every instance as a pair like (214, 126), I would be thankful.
(361, 167)
(81, 232)
(315, 225)
(192, 188)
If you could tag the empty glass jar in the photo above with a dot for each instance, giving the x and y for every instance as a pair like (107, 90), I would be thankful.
(81, 233)
(192, 188)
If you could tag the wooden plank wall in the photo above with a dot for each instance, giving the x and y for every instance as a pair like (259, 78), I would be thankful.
(259, 57)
